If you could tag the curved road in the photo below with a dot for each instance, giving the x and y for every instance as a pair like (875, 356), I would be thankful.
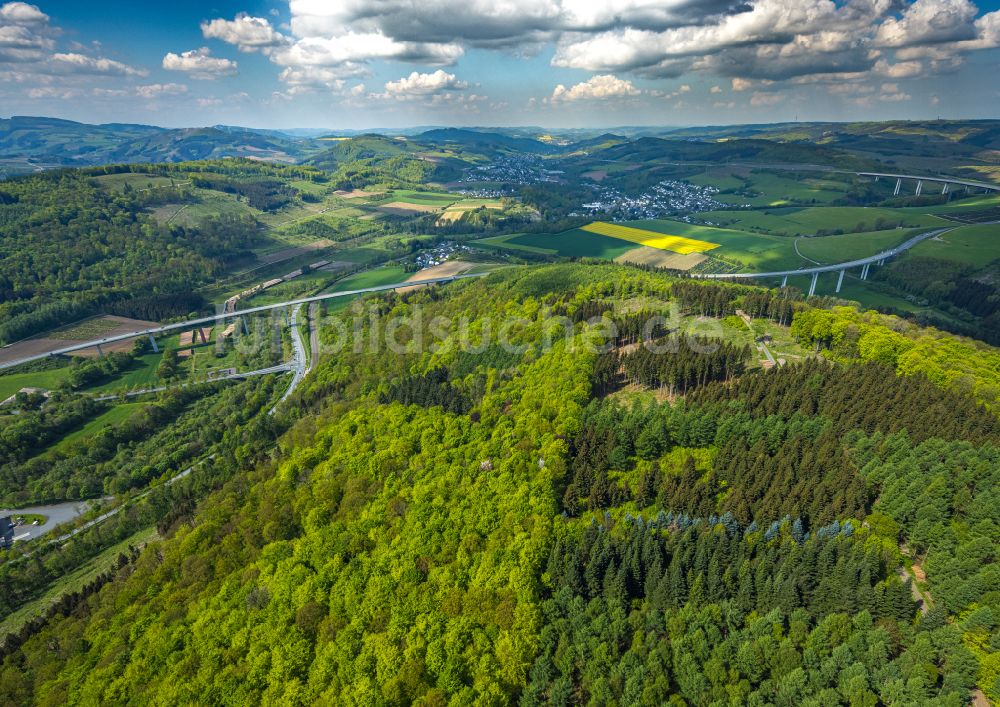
(836, 267)
(298, 364)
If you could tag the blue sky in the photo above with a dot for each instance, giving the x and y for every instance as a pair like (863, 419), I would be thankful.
(559, 63)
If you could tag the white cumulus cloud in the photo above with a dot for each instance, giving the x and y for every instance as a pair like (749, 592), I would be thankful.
(434, 88)
(421, 84)
(929, 22)
(595, 88)
(21, 13)
(248, 33)
(200, 64)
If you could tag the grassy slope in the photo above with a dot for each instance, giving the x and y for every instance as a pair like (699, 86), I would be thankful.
(777, 189)
(422, 197)
(117, 182)
(576, 243)
(969, 245)
(973, 203)
(385, 275)
(851, 246)
(117, 414)
(74, 581)
(794, 221)
(208, 204)
(49, 380)
(501, 242)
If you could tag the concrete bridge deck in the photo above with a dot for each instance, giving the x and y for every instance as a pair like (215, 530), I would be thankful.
(842, 268)
(939, 180)
(153, 331)
(878, 257)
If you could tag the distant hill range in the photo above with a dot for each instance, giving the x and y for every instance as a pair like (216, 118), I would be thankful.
(937, 146)
(50, 142)
(928, 144)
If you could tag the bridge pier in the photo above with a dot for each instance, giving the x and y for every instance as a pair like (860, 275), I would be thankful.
(152, 342)
(864, 271)
(100, 351)
(920, 186)
(812, 285)
(840, 281)
(899, 184)
(944, 189)
(246, 329)
(784, 281)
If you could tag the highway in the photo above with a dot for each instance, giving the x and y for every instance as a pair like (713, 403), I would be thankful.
(313, 336)
(298, 363)
(835, 267)
(939, 180)
(191, 323)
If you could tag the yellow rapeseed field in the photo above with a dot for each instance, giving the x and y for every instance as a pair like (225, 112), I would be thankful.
(652, 239)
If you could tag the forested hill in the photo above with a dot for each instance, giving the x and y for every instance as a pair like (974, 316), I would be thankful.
(523, 524)
(71, 244)
(51, 142)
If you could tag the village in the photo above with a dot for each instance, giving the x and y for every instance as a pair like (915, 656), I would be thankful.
(667, 198)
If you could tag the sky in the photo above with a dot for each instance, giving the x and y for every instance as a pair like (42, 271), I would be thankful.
(354, 64)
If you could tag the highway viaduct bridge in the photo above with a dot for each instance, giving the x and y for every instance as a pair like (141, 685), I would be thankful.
(946, 182)
(238, 315)
(841, 268)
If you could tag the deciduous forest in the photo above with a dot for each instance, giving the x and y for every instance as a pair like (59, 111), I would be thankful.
(538, 525)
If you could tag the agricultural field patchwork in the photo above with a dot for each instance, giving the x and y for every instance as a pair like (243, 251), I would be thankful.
(357, 194)
(657, 258)
(460, 208)
(732, 249)
(406, 208)
(650, 239)
(94, 328)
